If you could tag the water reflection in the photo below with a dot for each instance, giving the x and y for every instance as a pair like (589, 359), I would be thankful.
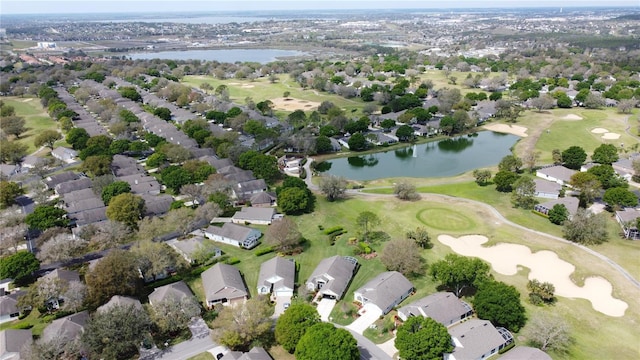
(362, 161)
(324, 166)
(404, 153)
(455, 145)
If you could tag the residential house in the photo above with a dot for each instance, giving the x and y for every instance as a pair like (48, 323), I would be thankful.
(254, 215)
(156, 204)
(384, 292)
(9, 309)
(122, 301)
(14, 343)
(477, 339)
(53, 180)
(141, 183)
(90, 216)
(443, 307)
(175, 291)
(263, 199)
(332, 276)
(72, 185)
(628, 220)
(379, 138)
(223, 284)
(525, 353)
(571, 203)
(556, 173)
(245, 189)
(547, 189)
(8, 170)
(256, 353)
(31, 161)
(277, 277)
(188, 247)
(69, 327)
(63, 276)
(234, 234)
(64, 154)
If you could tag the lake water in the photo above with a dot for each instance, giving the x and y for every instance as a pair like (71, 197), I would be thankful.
(448, 157)
(262, 56)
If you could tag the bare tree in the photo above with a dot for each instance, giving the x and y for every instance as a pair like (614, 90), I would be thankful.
(208, 211)
(61, 247)
(626, 105)
(530, 159)
(406, 191)
(74, 296)
(283, 234)
(333, 187)
(548, 332)
(543, 102)
(402, 255)
(239, 326)
(174, 314)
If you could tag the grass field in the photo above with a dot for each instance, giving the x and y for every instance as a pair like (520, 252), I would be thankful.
(35, 116)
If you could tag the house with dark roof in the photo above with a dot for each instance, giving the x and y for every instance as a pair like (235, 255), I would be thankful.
(223, 284)
(525, 353)
(53, 180)
(277, 277)
(68, 327)
(547, 189)
(156, 204)
(14, 343)
(9, 309)
(234, 234)
(628, 220)
(556, 173)
(141, 183)
(177, 291)
(90, 216)
(477, 339)
(570, 202)
(256, 353)
(443, 307)
(384, 292)
(254, 215)
(122, 301)
(332, 276)
(244, 190)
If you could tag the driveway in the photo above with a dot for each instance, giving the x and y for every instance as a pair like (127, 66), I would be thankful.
(368, 315)
(389, 347)
(279, 309)
(324, 308)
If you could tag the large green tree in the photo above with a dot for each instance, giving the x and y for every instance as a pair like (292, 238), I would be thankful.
(620, 197)
(459, 272)
(44, 217)
(607, 176)
(78, 138)
(245, 324)
(47, 138)
(12, 151)
(500, 303)
(18, 266)
(558, 214)
(114, 189)
(510, 163)
(293, 324)
(116, 274)
(127, 209)
(357, 142)
(574, 157)
(605, 154)
(504, 180)
(13, 125)
(9, 190)
(586, 228)
(524, 192)
(325, 342)
(422, 338)
(97, 165)
(293, 200)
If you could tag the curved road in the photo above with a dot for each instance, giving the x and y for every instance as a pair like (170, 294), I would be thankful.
(499, 216)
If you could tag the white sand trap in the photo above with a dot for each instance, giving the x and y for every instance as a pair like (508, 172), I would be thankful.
(27, 100)
(572, 117)
(544, 266)
(293, 104)
(234, 83)
(611, 136)
(508, 129)
(247, 86)
(599, 131)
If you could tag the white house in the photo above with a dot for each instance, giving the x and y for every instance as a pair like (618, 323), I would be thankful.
(558, 174)
(477, 339)
(384, 292)
(547, 189)
(64, 154)
(254, 215)
(234, 234)
(627, 219)
(277, 277)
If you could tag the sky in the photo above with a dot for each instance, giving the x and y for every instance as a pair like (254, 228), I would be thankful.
(118, 6)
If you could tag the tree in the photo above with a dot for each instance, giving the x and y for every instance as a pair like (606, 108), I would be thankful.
(574, 157)
(9, 190)
(283, 235)
(13, 125)
(333, 186)
(130, 93)
(58, 347)
(607, 176)
(357, 142)
(587, 183)
(500, 303)
(19, 266)
(367, 220)
(619, 197)
(46, 216)
(78, 138)
(510, 163)
(387, 124)
(540, 292)
(153, 258)
(504, 180)
(558, 214)
(116, 274)
(586, 228)
(405, 191)
(421, 237)
(405, 133)
(549, 332)
(323, 145)
(594, 101)
(326, 342)
(402, 255)
(482, 176)
(174, 177)
(524, 191)
(174, 313)
(47, 138)
(114, 189)
(12, 151)
(543, 102)
(127, 209)
(625, 106)
(245, 324)
(116, 333)
(61, 247)
(422, 338)
(457, 272)
(97, 165)
(293, 200)
(530, 159)
(605, 154)
(293, 324)
(163, 113)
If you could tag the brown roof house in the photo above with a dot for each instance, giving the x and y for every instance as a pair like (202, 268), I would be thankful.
(443, 307)
(477, 339)
(223, 284)
(14, 343)
(277, 277)
(382, 293)
(332, 276)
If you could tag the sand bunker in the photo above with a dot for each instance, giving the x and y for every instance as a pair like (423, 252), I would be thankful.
(508, 129)
(572, 117)
(611, 136)
(544, 266)
(292, 104)
(247, 86)
(599, 131)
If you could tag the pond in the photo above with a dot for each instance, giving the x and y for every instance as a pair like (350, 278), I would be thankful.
(262, 56)
(444, 158)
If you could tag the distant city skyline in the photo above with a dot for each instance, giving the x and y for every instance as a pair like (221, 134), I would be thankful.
(138, 6)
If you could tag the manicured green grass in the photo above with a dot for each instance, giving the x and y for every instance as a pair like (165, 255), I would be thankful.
(35, 116)
(33, 321)
(203, 356)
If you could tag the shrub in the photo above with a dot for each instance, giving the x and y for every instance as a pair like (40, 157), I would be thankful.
(264, 251)
(333, 230)
(232, 261)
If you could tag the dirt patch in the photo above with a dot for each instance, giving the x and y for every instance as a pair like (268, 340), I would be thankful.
(544, 266)
(508, 129)
(293, 104)
(572, 117)
(599, 131)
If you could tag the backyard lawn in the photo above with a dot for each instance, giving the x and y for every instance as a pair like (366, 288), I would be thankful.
(35, 116)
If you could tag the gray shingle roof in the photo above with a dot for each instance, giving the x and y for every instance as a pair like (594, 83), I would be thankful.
(177, 290)
(477, 338)
(558, 172)
(254, 213)
(14, 341)
(525, 353)
(53, 180)
(68, 327)
(222, 281)
(278, 271)
(336, 271)
(79, 195)
(231, 231)
(385, 289)
(66, 275)
(118, 300)
(443, 307)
